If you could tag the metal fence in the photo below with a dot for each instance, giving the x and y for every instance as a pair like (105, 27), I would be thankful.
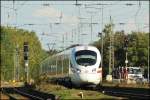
(53, 65)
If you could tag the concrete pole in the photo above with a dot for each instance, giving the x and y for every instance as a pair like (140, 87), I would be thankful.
(69, 67)
(79, 33)
(110, 52)
(56, 65)
(126, 59)
(63, 55)
(148, 60)
(91, 28)
(17, 62)
(102, 40)
(110, 59)
(27, 72)
(113, 56)
(79, 26)
(14, 66)
(62, 65)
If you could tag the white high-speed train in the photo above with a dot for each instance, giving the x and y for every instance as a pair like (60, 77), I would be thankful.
(83, 65)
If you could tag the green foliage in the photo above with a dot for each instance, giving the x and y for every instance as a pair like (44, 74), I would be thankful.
(137, 48)
(56, 64)
(10, 38)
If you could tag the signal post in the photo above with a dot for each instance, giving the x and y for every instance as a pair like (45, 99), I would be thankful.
(26, 61)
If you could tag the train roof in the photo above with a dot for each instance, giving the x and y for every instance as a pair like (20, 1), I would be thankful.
(85, 47)
(67, 51)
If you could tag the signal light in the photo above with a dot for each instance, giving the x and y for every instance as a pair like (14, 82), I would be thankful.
(26, 51)
(126, 41)
(78, 70)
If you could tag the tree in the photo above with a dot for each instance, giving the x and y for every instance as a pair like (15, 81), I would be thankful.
(10, 38)
(137, 48)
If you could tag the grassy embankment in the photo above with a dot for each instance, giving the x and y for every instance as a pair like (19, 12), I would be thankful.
(65, 93)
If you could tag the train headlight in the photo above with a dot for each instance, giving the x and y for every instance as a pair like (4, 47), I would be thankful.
(94, 70)
(78, 70)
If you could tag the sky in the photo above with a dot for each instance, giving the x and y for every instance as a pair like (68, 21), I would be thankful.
(62, 23)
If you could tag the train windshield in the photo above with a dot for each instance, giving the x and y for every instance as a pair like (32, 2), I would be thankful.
(86, 57)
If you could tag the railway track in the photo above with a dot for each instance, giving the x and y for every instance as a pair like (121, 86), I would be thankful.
(128, 93)
(27, 93)
(14, 96)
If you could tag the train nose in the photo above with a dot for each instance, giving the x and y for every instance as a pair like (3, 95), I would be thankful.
(85, 66)
(89, 78)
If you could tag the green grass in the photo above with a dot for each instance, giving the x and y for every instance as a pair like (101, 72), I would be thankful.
(65, 93)
(73, 94)
(123, 84)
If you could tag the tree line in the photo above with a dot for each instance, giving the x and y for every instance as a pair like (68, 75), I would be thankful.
(134, 43)
(12, 40)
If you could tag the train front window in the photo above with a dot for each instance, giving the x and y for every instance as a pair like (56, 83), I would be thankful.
(86, 57)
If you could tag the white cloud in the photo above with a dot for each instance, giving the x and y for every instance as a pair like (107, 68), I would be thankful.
(131, 25)
(146, 18)
(70, 19)
(140, 23)
(47, 12)
(54, 15)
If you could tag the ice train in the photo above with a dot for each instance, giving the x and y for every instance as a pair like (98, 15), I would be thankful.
(83, 65)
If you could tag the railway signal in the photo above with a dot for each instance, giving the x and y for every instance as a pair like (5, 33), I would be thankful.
(126, 41)
(26, 60)
(26, 51)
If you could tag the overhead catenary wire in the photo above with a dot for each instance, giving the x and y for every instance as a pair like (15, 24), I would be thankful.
(78, 4)
(136, 14)
(79, 28)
